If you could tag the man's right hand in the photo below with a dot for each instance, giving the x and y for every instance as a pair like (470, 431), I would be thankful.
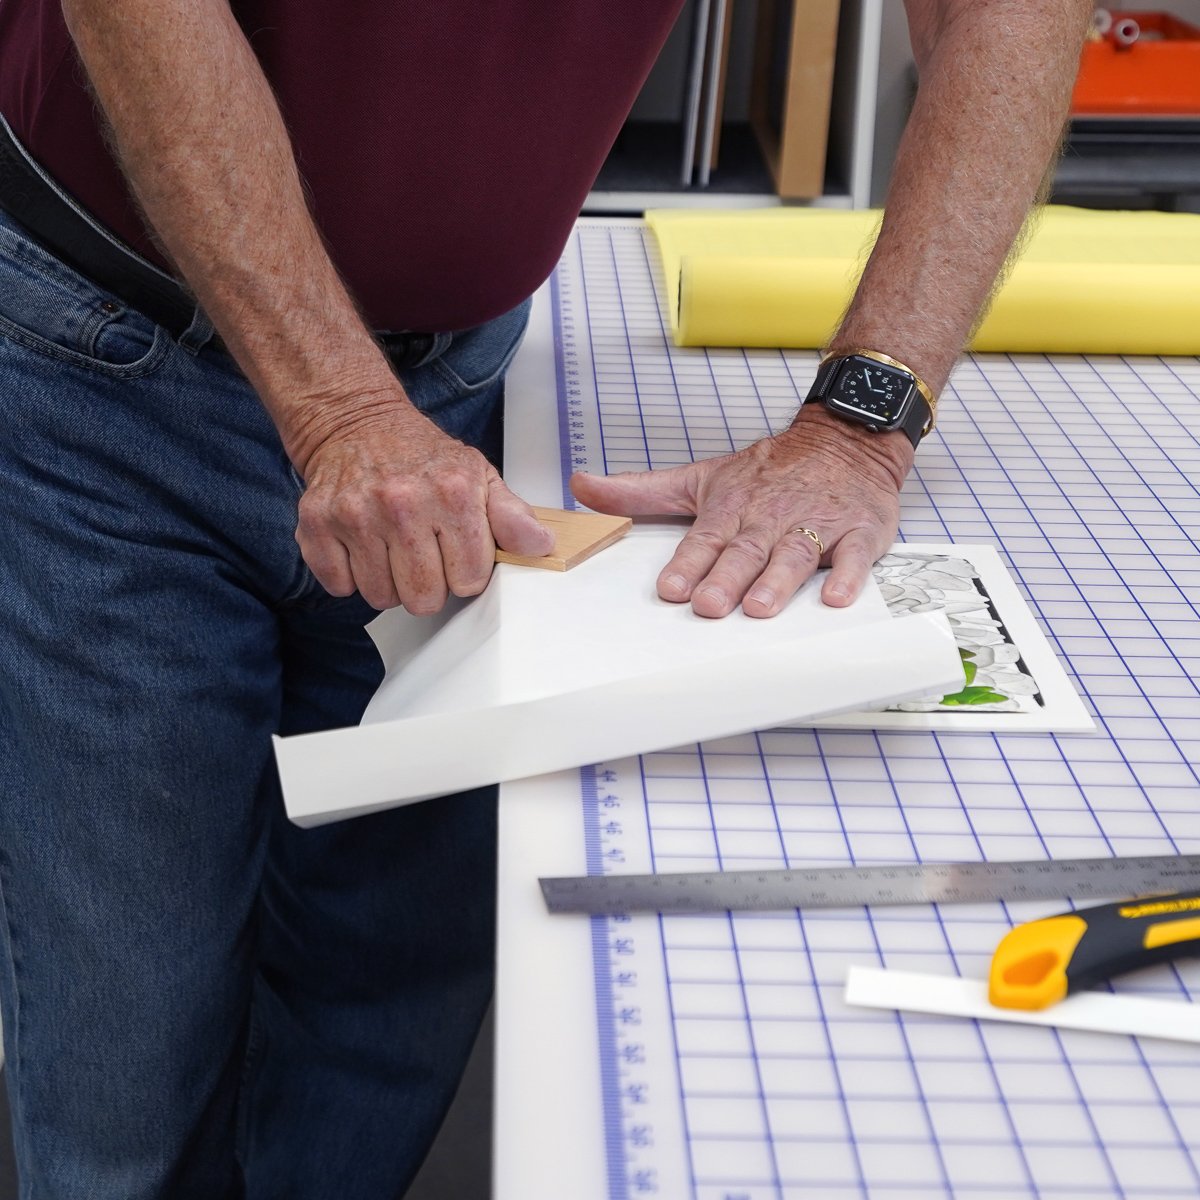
(405, 514)
(393, 506)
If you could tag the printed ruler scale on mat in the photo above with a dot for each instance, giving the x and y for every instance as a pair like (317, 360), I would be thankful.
(847, 887)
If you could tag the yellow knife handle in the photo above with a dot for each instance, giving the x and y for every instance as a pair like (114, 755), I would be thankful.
(1039, 963)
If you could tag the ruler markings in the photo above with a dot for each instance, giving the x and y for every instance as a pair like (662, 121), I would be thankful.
(852, 887)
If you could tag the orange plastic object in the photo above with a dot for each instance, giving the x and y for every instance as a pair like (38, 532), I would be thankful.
(1159, 73)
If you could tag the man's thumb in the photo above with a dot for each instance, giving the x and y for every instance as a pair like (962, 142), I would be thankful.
(636, 493)
(514, 527)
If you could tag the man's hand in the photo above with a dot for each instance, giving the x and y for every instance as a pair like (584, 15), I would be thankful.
(821, 474)
(404, 513)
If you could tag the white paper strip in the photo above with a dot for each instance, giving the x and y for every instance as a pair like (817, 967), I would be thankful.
(1100, 1012)
(547, 671)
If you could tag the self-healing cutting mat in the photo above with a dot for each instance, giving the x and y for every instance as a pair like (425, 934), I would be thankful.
(714, 1057)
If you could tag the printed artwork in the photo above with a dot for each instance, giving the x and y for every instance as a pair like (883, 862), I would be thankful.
(1013, 680)
(996, 678)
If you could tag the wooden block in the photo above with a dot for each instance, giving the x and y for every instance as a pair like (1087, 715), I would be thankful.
(796, 46)
(577, 536)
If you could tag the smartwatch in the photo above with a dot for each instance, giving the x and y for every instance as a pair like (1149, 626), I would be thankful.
(875, 390)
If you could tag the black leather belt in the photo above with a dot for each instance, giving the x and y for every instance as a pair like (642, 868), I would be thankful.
(64, 228)
(28, 196)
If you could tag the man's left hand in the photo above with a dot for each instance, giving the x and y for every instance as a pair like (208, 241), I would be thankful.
(822, 474)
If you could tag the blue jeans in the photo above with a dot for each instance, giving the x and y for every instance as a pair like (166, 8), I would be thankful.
(199, 999)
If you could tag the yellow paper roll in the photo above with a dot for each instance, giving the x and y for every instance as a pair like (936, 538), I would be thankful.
(1086, 282)
(748, 301)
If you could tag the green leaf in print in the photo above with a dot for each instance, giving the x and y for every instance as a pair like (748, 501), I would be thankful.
(974, 695)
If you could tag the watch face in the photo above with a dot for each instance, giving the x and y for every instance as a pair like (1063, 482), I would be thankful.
(873, 392)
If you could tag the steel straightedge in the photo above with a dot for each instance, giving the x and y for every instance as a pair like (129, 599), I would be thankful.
(849, 887)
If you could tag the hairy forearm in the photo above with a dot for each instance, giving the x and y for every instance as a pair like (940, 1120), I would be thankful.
(200, 137)
(995, 82)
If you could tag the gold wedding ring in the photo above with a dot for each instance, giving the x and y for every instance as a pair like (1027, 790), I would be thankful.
(810, 533)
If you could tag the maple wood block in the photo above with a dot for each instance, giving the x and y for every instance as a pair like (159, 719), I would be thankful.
(577, 536)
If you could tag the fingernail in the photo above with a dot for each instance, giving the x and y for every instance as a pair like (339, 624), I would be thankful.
(840, 591)
(763, 596)
(676, 583)
(715, 594)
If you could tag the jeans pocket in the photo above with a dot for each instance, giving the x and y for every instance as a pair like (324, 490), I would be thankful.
(477, 358)
(48, 307)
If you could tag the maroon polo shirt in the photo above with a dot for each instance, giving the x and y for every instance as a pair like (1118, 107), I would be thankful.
(446, 145)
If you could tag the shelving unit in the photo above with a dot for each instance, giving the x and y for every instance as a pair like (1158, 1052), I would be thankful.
(1131, 161)
(643, 170)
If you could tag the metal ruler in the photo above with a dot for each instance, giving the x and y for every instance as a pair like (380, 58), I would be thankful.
(850, 887)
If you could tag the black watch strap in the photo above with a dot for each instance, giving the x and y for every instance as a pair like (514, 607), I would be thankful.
(917, 422)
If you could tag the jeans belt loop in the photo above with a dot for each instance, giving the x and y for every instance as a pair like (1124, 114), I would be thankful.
(412, 348)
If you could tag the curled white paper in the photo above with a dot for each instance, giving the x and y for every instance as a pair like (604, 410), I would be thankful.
(549, 670)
